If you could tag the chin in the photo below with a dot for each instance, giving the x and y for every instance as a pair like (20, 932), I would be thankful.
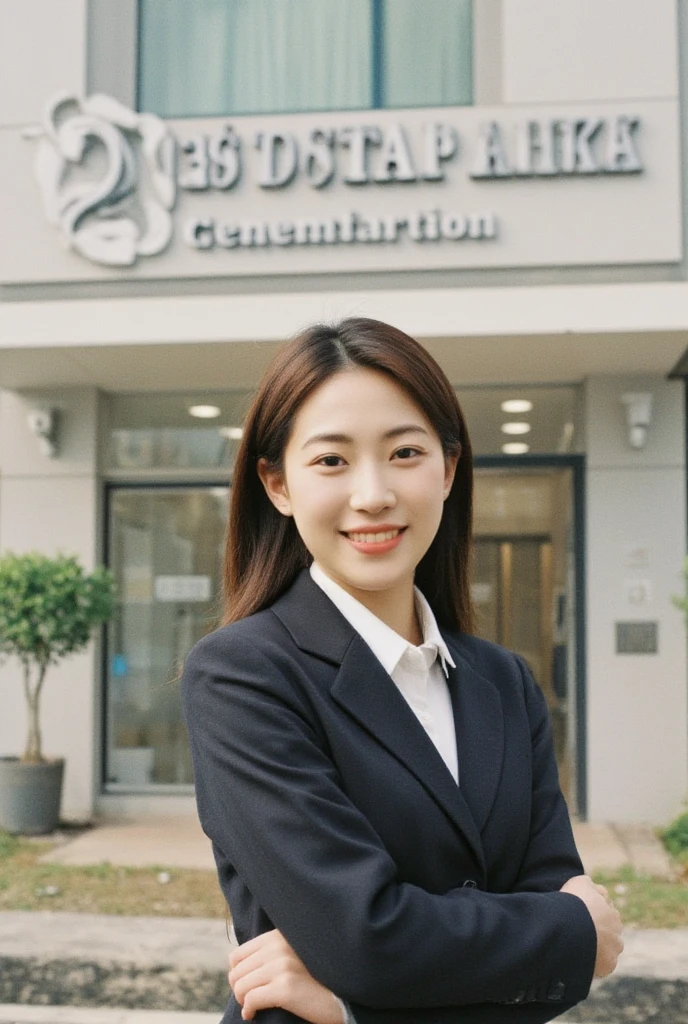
(375, 579)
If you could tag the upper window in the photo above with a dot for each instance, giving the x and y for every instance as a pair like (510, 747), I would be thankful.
(209, 58)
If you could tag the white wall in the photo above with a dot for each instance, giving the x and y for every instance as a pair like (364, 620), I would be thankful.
(42, 51)
(589, 50)
(574, 52)
(51, 505)
(637, 712)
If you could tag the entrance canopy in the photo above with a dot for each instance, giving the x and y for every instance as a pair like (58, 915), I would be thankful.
(544, 334)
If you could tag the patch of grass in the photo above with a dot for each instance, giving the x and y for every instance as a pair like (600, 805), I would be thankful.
(8, 845)
(645, 902)
(26, 884)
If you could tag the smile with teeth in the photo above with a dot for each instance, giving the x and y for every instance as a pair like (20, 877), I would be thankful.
(373, 538)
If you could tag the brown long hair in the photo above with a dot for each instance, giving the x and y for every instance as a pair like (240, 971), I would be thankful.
(264, 551)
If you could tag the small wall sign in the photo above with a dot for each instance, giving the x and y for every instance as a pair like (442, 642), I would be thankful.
(637, 637)
(183, 588)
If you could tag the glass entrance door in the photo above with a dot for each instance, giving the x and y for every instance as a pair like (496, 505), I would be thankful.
(524, 586)
(165, 548)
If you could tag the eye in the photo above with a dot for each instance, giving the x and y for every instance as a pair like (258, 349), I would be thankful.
(407, 452)
(330, 461)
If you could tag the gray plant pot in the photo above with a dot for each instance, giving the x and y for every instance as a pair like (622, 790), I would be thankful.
(30, 795)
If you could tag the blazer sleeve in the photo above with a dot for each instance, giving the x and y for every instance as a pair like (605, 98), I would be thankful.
(551, 856)
(269, 797)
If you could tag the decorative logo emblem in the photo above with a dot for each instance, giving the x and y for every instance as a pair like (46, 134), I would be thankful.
(107, 178)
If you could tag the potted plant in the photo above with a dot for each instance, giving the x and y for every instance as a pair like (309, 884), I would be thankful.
(49, 608)
(681, 602)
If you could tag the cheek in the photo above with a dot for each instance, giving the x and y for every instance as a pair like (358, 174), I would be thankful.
(313, 497)
(428, 499)
(430, 485)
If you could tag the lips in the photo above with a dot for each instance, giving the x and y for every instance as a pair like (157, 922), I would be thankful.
(374, 536)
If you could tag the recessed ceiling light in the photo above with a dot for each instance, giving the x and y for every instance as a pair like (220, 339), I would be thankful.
(515, 448)
(515, 428)
(517, 405)
(205, 412)
(233, 433)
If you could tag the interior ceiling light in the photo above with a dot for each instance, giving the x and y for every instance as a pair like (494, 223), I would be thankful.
(517, 405)
(205, 412)
(515, 448)
(515, 428)
(232, 433)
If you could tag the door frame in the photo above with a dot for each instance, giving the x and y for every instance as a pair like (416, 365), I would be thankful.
(576, 463)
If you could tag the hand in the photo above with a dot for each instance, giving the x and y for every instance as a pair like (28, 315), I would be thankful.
(266, 971)
(606, 919)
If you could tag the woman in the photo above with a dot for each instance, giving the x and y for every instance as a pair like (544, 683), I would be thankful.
(378, 784)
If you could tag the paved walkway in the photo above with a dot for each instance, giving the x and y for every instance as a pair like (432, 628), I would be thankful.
(18, 1014)
(168, 842)
(180, 843)
(611, 847)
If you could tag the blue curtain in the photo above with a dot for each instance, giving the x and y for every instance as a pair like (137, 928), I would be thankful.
(215, 57)
(428, 49)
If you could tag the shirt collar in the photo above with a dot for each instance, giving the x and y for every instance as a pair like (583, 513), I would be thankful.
(386, 644)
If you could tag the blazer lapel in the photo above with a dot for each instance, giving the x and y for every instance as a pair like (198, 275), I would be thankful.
(365, 690)
(479, 723)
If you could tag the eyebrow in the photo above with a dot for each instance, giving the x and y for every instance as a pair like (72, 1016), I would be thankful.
(335, 438)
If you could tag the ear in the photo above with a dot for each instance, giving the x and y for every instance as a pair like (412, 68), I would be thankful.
(450, 464)
(275, 487)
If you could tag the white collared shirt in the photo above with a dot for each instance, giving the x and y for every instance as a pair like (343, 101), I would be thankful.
(420, 673)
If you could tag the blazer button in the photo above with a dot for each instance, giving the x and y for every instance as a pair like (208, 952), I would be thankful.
(555, 993)
(520, 997)
(470, 883)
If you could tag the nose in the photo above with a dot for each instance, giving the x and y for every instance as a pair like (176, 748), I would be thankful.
(371, 491)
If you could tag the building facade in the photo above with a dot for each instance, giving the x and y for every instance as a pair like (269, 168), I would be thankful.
(180, 191)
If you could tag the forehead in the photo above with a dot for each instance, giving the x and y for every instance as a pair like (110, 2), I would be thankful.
(358, 398)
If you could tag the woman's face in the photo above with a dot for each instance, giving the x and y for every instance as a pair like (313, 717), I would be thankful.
(365, 479)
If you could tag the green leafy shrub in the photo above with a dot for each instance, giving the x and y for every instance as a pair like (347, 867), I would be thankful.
(676, 836)
(49, 607)
(682, 602)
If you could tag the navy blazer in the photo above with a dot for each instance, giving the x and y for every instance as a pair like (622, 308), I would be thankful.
(334, 819)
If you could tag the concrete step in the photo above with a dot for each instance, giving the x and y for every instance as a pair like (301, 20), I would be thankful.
(196, 997)
(96, 984)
